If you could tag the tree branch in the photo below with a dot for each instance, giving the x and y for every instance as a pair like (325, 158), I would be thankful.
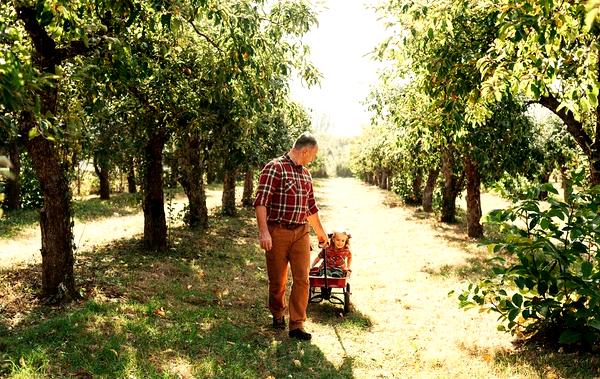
(191, 22)
(44, 45)
(574, 127)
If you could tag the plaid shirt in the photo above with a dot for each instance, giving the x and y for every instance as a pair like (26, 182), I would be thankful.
(336, 258)
(286, 190)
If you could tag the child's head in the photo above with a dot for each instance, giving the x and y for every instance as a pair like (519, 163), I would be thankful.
(339, 238)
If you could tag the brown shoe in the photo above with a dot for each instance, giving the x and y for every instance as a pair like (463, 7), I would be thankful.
(300, 334)
(279, 323)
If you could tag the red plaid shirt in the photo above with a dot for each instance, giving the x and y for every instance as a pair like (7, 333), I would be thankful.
(286, 190)
(336, 258)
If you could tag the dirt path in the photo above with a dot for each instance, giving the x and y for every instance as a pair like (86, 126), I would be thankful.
(417, 330)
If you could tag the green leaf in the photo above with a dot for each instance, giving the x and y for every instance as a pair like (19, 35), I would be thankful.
(542, 287)
(512, 315)
(586, 269)
(569, 336)
(33, 132)
(594, 324)
(548, 187)
(578, 248)
(517, 299)
(590, 18)
(165, 20)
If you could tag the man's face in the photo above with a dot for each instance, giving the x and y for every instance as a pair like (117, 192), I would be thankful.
(339, 240)
(309, 154)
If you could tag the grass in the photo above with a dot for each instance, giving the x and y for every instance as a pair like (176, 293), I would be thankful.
(85, 210)
(198, 310)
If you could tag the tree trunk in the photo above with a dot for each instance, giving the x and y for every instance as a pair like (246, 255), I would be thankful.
(191, 179)
(228, 199)
(155, 223)
(429, 187)
(58, 282)
(12, 201)
(131, 177)
(545, 178)
(449, 192)
(417, 183)
(474, 227)
(383, 180)
(247, 197)
(103, 175)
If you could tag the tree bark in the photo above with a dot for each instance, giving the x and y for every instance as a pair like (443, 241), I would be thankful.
(591, 148)
(247, 197)
(12, 190)
(450, 184)
(383, 180)
(544, 178)
(102, 171)
(131, 177)
(474, 227)
(429, 188)
(228, 198)
(155, 223)
(417, 183)
(191, 178)
(58, 282)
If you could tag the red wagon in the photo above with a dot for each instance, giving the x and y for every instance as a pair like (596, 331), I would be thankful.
(323, 287)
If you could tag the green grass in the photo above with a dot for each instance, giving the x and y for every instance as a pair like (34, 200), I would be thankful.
(197, 309)
(84, 210)
(12, 222)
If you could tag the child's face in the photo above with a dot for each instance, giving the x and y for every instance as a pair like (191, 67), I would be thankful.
(339, 240)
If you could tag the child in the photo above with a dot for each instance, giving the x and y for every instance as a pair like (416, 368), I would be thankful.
(339, 256)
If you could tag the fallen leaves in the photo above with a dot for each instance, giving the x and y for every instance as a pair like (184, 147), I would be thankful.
(160, 312)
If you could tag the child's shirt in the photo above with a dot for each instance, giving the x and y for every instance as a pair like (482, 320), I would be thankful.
(336, 258)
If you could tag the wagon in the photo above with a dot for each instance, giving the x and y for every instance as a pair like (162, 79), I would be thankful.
(323, 287)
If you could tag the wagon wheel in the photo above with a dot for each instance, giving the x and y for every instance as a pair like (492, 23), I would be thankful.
(347, 299)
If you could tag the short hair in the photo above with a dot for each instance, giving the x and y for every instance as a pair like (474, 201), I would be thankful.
(305, 140)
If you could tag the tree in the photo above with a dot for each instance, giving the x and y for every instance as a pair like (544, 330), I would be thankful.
(43, 38)
(548, 52)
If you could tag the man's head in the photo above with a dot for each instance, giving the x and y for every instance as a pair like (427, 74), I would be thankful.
(305, 149)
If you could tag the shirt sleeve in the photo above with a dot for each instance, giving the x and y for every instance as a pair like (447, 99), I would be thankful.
(269, 179)
(312, 204)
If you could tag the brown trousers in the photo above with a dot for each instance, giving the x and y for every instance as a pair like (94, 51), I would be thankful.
(293, 247)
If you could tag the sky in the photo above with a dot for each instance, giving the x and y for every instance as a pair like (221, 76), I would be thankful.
(347, 32)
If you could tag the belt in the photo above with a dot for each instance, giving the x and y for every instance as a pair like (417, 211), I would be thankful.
(286, 225)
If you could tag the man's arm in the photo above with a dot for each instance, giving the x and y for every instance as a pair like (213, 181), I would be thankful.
(315, 222)
(264, 236)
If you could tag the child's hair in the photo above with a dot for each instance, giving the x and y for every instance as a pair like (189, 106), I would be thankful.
(339, 230)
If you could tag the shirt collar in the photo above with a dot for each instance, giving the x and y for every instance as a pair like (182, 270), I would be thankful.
(286, 156)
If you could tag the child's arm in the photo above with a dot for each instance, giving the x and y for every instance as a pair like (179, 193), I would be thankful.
(349, 261)
(317, 260)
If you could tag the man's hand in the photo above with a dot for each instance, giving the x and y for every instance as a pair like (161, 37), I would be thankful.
(323, 240)
(266, 243)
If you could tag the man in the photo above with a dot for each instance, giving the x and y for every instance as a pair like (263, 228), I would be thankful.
(285, 206)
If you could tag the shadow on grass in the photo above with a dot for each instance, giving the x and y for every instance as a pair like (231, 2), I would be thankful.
(544, 362)
(195, 310)
(121, 204)
(473, 270)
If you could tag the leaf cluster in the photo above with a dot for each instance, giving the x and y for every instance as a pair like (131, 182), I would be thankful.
(547, 278)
